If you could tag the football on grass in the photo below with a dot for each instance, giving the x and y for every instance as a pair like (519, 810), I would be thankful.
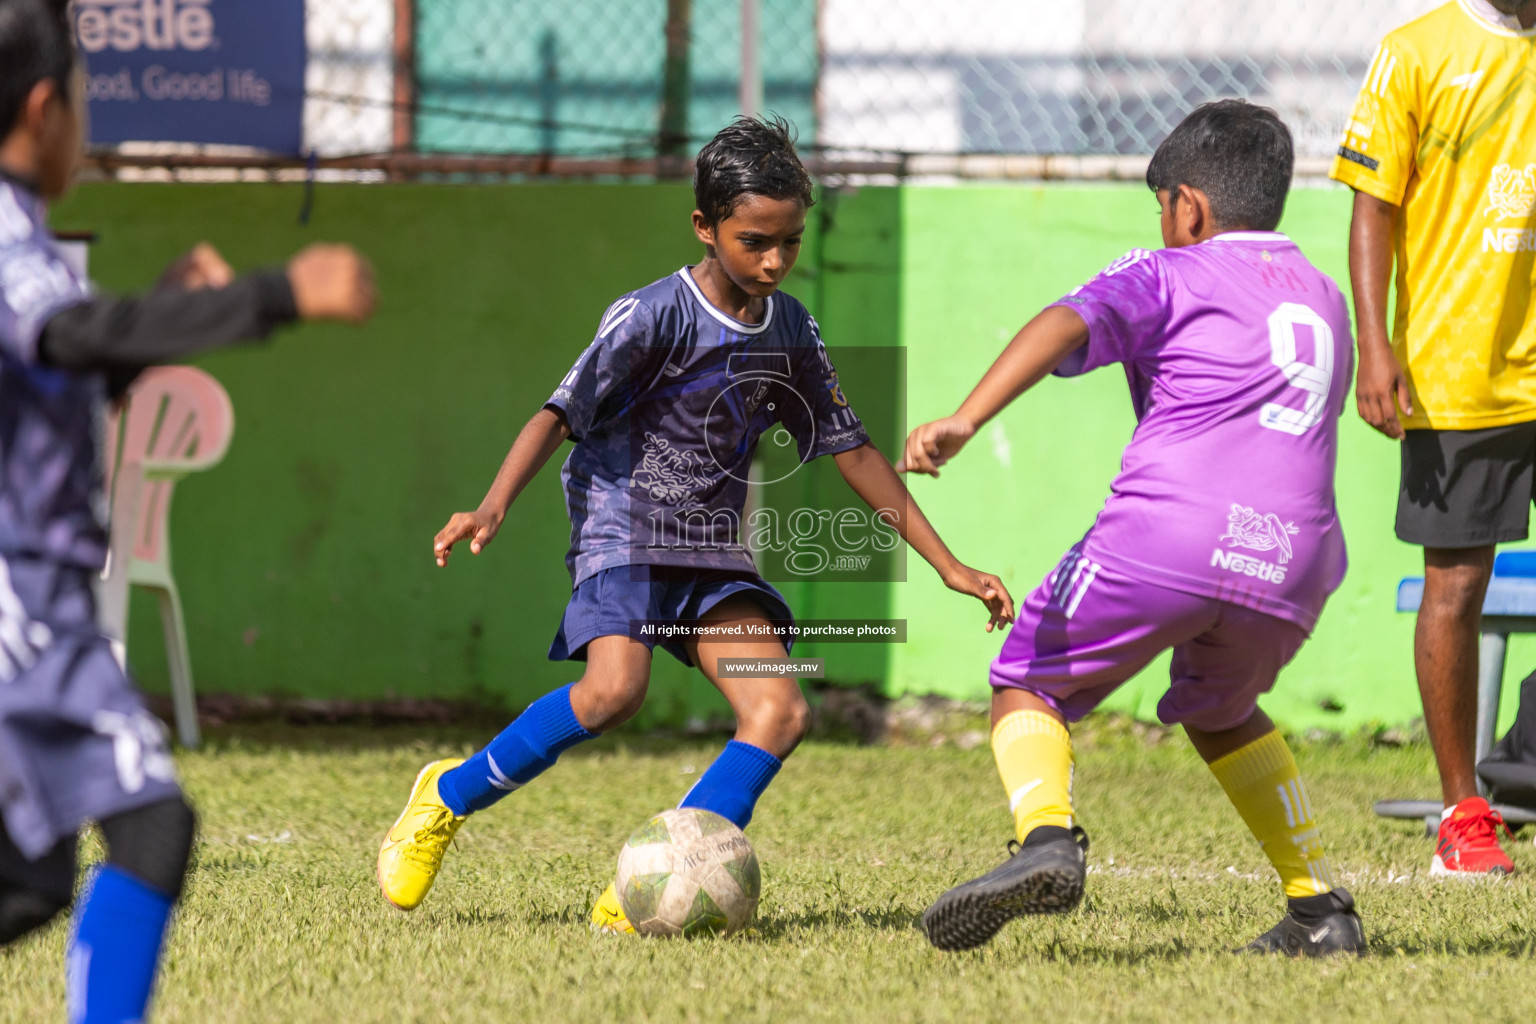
(688, 872)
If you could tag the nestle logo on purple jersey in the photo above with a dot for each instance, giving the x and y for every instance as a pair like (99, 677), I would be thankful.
(1245, 565)
(1256, 531)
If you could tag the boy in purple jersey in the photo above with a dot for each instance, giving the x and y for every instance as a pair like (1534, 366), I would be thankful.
(1219, 539)
(666, 407)
(77, 743)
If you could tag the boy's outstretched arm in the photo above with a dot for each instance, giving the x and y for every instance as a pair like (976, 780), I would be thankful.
(872, 479)
(535, 443)
(1034, 352)
(201, 305)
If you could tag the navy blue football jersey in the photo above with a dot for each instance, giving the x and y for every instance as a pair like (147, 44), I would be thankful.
(49, 419)
(667, 406)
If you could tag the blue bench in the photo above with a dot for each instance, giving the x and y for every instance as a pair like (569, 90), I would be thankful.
(1509, 607)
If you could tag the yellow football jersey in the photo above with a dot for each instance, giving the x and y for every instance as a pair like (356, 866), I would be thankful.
(1445, 127)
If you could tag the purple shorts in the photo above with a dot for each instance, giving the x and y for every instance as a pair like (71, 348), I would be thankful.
(1087, 629)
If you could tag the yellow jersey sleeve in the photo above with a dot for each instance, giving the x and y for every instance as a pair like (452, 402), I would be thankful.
(1376, 155)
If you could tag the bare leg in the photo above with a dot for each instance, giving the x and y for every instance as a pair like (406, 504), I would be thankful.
(613, 687)
(1006, 700)
(1445, 658)
(1213, 746)
(771, 712)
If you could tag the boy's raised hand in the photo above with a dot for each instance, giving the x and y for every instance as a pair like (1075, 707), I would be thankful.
(933, 444)
(986, 588)
(476, 527)
(203, 267)
(332, 282)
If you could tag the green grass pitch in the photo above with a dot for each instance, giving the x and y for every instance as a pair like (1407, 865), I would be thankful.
(283, 920)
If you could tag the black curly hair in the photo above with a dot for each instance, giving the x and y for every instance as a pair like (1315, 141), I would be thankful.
(750, 156)
(1239, 154)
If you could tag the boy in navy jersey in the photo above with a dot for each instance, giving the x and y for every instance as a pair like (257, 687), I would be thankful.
(76, 741)
(666, 406)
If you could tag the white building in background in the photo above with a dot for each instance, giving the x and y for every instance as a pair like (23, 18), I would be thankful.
(351, 57)
(1050, 76)
(952, 76)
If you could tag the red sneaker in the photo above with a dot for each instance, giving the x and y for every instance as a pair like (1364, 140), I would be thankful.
(1469, 842)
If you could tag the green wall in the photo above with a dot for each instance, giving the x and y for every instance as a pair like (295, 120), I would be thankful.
(304, 559)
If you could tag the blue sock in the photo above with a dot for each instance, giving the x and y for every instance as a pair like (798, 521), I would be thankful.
(516, 757)
(731, 786)
(114, 951)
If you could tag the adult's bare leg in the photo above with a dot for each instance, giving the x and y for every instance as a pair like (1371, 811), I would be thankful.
(1445, 642)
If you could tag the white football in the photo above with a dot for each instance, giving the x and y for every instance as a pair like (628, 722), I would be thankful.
(688, 872)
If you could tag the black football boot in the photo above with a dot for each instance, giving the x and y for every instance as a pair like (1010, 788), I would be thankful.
(1314, 926)
(1043, 875)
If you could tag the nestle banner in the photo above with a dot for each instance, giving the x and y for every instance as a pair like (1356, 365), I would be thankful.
(212, 71)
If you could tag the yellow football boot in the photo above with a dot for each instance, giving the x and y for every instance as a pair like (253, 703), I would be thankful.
(608, 915)
(413, 848)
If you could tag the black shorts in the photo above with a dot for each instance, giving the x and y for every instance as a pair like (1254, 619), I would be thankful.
(52, 874)
(1466, 488)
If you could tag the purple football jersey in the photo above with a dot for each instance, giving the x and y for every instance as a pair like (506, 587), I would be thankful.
(49, 420)
(1238, 352)
(666, 407)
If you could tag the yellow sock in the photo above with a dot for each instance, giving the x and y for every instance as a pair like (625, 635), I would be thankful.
(1263, 783)
(1034, 757)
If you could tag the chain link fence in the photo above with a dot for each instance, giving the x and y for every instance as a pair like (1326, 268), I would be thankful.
(589, 77)
(350, 80)
(876, 80)
(1086, 76)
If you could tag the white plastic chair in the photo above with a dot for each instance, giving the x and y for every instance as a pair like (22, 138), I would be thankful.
(178, 420)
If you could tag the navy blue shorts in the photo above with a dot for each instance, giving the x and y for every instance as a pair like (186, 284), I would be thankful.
(607, 603)
(76, 740)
